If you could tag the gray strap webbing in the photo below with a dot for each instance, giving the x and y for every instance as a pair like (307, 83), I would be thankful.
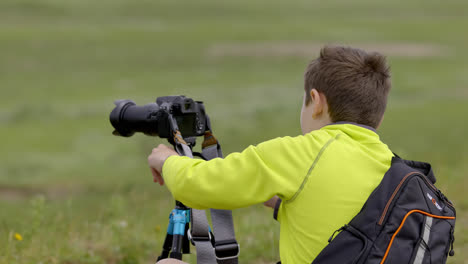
(182, 148)
(199, 233)
(425, 241)
(201, 238)
(205, 253)
(225, 238)
(223, 226)
(212, 152)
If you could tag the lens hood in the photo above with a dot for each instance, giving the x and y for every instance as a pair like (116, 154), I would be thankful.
(116, 118)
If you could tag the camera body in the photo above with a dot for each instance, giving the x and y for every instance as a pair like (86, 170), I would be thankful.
(154, 119)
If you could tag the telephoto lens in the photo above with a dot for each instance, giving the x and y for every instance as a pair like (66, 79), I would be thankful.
(128, 118)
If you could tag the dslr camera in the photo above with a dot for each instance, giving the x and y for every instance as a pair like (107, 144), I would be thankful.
(154, 119)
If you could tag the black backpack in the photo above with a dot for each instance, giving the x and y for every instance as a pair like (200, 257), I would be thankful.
(406, 219)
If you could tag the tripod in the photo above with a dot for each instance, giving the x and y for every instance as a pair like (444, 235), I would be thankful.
(222, 250)
(176, 242)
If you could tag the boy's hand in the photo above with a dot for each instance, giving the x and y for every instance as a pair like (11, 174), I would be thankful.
(156, 161)
(272, 202)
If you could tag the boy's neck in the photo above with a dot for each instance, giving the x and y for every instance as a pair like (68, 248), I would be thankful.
(352, 123)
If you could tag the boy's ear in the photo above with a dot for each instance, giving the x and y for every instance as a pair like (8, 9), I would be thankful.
(317, 103)
(380, 123)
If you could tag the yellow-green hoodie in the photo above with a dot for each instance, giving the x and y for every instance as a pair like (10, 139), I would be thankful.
(323, 178)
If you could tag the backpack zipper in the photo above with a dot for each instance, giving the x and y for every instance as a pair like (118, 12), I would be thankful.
(403, 222)
(393, 196)
(338, 230)
(398, 188)
(440, 194)
(452, 240)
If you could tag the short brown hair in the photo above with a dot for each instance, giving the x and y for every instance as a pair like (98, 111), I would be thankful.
(355, 83)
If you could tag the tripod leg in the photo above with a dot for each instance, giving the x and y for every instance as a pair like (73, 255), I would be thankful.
(186, 242)
(177, 247)
(168, 240)
(166, 247)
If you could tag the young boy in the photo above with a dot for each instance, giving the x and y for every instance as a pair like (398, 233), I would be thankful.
(323, 177)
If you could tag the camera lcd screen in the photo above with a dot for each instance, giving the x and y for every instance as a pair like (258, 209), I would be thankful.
(186, 124)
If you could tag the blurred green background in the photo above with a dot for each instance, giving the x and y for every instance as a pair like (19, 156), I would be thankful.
(70, 192)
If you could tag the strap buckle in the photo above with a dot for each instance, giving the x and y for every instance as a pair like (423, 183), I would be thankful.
(227, 249)
(194, 239)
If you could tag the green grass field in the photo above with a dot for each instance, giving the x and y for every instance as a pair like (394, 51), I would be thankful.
(77, 194)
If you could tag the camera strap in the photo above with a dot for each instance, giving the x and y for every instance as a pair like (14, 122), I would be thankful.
(226, 248)
(181, 146)
(223, 248)
(200, 236)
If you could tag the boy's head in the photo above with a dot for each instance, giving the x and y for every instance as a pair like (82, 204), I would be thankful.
(345, 84)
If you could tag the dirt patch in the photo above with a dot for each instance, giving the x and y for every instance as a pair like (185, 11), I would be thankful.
(304, 49)
(11, 193)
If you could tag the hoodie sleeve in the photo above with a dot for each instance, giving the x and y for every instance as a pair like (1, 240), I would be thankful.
(275, 167)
